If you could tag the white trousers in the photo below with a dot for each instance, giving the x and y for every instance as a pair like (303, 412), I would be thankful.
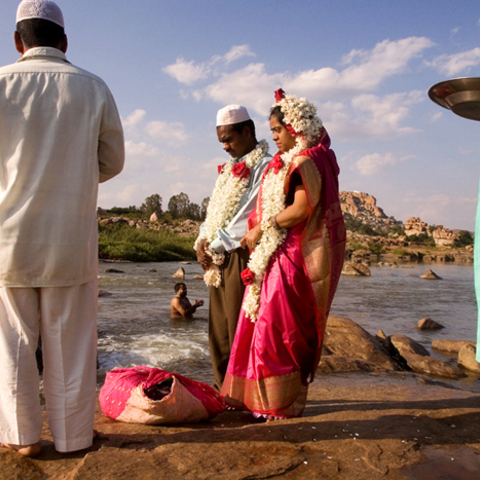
(66, 318)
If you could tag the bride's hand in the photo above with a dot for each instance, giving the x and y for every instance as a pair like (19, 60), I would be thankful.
(252, 237)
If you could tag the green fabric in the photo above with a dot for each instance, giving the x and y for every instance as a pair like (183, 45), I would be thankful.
(476, 265)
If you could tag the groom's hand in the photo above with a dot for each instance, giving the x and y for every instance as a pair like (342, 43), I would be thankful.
(203, 257)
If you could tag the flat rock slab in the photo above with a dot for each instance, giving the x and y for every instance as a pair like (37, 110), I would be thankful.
(356, 426)
(451, 346)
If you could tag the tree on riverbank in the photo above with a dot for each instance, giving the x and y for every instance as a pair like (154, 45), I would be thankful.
(180, 206)
(152, 204)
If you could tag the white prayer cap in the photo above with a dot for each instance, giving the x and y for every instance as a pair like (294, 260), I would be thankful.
(232, 114)
(43, 9)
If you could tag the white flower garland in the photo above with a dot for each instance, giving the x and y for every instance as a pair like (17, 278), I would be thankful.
(223, 206)
(273, 202)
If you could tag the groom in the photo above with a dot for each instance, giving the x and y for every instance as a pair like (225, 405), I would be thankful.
(236, 132)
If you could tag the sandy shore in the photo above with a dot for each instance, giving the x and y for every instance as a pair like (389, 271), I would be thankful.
(356, 426)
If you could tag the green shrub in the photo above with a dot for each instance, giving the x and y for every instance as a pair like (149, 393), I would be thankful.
(464, 238)
(376, 248)
(357, 246)
(422, 239)
(122, 242)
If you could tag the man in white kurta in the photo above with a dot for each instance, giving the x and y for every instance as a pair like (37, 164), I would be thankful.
(60, 135)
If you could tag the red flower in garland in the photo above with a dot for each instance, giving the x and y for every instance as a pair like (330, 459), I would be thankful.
(279, 94)
(248, 277)
(241, 170)
(220, 168)
(291, 130)
(276, 164)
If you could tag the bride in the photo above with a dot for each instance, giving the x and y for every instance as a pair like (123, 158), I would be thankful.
(297, 239)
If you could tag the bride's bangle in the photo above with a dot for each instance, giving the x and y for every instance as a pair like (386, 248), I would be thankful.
(273, 222)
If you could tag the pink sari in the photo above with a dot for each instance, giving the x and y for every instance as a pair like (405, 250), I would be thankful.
(273, 359)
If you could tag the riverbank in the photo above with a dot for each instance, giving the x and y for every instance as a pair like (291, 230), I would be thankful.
(356, 426)
(133, 239)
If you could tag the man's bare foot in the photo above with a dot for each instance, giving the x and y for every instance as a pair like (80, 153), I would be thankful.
(26, 450)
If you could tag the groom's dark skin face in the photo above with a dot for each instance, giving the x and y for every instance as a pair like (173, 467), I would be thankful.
(236, 144)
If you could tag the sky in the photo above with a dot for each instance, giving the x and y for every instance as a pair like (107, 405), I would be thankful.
(366, 64)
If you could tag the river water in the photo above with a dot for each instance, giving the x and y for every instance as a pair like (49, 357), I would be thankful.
(135, 326)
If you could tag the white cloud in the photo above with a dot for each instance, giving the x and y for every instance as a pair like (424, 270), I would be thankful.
(174, 132)
(237, 52)
(387, 58)
(456, 63)
(141, 149)
(190, 72)
(253, 87)
(134, 118)
(131, 194)
(187, 72)
(373, 163)
(370, 116)
(250, 86)
(436, 116)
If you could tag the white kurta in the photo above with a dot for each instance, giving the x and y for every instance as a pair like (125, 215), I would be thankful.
(60, 134)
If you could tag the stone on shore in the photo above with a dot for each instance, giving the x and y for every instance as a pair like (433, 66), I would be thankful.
(430, 275)
(429, 324)
(419, 360)
(180, 273)
(344, 338)
(451, 346)
(113, 270)
(466, 358)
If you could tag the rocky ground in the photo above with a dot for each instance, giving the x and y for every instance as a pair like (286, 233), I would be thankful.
(372, 413)
(362, 426)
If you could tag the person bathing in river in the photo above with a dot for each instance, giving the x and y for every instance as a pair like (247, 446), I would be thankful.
(180, 306)
(297, 238)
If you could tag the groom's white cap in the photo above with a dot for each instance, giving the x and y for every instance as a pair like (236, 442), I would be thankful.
(43, 9)
(232, 114)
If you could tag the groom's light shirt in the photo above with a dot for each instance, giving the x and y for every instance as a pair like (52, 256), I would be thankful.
(228, 238)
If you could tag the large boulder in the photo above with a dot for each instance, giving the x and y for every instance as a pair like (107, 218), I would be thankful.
(466, 358)
(332, 364)
(451, 346)
(345, 338)
(419, 360)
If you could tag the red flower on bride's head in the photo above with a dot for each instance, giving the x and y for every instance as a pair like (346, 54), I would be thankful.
(279, 94)
(241, 170)
(276, 164)
(291, 130)
(220, 168)
(248, 277)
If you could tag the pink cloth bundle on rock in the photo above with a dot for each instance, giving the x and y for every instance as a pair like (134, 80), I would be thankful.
(156, 397)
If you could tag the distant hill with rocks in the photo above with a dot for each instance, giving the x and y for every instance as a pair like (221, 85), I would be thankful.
(359, 207)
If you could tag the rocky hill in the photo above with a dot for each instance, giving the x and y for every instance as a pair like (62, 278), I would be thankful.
(371, 231)
(364, 207)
